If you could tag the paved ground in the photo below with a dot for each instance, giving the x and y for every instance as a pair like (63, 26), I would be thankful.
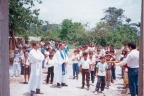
(17, 88)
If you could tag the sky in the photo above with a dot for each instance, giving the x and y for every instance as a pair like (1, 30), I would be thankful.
(55, 11)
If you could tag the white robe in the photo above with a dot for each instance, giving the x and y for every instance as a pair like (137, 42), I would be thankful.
(58, 77)
(36, 58)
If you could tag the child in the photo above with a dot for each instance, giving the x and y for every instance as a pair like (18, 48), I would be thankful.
(85, 66)
(16, 63)
(93, 64)
(26, 67)
(108, 71)
(50, 65)
(75, 59)
(101, 69)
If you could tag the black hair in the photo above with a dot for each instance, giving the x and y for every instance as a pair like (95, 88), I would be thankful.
(132, 45)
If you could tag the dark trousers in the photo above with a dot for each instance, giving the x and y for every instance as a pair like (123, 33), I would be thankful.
(85, 72)
(75, 69)
(133, 81)
(50, 73)
(100, 83)
(113, 72)
(92, 76)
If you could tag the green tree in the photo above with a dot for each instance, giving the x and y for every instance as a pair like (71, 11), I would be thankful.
(113, 16)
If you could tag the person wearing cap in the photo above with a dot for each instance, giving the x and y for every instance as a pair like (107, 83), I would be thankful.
(36, 58)
(85, 67)
(16, 63)
(50, 64)
(60, 67)
(132, 61)
(101, 73)
(108, 70)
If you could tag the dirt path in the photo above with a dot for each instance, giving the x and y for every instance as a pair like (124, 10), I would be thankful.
(73, 89)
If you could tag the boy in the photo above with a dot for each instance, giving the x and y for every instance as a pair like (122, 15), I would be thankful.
(101, 73)
(75, 59)
(16, 63)
(108, 71)
(85, 66)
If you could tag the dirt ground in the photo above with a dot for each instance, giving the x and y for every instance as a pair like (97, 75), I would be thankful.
(17, 88)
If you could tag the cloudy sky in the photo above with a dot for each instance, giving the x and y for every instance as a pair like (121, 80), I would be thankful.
(85, 11)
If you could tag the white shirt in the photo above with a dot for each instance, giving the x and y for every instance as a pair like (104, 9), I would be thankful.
(27, 45)
(132, 59)
(102, 69)
(85, 63)
(51, 63)
(75, 56)
(93, 61)
(98, 56)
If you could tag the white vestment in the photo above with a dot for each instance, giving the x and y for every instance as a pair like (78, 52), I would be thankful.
(36, 58)
(58, 76)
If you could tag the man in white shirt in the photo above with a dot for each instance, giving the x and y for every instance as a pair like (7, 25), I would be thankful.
(85, 65)
(132, 61)
(36, 58)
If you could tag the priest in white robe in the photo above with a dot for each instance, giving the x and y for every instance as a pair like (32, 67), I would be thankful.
(36, 58)
(60, 67)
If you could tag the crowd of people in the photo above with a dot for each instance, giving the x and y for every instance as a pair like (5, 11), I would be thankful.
(90, 61)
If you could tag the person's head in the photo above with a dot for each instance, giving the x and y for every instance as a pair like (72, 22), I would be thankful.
(64, 43)
(98, 50)
(75, 52)
(108, 57)
(48, 44)
(27, 42)
(48, 49)
(16, 51)
(90, 54)
(131, 46)
(112, 52)
(61, 46)
(102, 58)
(53, 51)
(24, 48)
(42, 39)
(85, 54)
(35, 45)
(26, 54)
(105, 47)
(51, 56)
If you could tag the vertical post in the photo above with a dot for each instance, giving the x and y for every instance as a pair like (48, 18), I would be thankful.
(4, 49)
(141, 62)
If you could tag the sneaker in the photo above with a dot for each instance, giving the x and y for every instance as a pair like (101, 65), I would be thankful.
(82, 87)
(87, 88)
(102, 92)
(96, 93)
(92, 84)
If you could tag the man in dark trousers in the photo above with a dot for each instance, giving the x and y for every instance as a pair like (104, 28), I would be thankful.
(132, 61)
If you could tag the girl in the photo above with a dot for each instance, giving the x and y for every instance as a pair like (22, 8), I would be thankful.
(26, 67)
(50, 65)
(75, 58)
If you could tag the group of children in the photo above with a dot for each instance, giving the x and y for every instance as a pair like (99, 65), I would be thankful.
(95, 62)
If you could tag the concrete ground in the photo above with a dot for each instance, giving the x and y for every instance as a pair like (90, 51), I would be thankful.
(17, 88)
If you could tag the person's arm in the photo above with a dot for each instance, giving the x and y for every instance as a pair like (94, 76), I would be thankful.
(125, 61)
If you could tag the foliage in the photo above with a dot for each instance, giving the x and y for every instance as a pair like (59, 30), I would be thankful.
(21, 18)
(113, 16)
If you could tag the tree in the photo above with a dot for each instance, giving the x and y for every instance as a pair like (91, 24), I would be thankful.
(128, 20)
(113, 16)
(22, 18)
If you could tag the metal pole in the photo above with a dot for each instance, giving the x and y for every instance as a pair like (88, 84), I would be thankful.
(4, 49)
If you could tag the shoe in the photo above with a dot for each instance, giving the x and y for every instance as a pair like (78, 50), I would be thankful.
(40, 93)
(87, 88)
(58, 85)
(63, 84)
(24, 83)
(92, 84)
(51, 82)
(82, 87)
(74, 77)
(102, 92)
(34, 95)
(96, 93)
(107, 87)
